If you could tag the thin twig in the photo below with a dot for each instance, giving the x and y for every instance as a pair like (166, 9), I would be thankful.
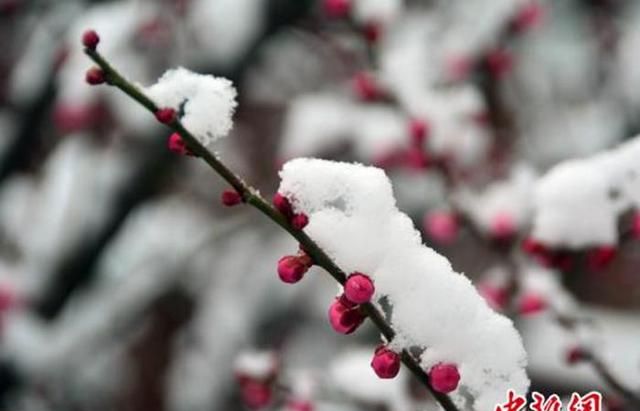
(597, 363)
(252, 197)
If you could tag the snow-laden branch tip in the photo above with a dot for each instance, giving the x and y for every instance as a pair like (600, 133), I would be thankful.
(354, 218)
(596, 190)
(205, 103)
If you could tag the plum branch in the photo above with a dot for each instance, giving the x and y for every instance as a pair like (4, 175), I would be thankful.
(251, 196)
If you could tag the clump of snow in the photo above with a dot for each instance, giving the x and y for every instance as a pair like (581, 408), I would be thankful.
(256, 364)
(205, 103)
(354, 218)
(378, 11)
(510, 198)
(594, 190)
(316, 123)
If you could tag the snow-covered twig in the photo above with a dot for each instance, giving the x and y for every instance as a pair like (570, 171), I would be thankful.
(250, 196)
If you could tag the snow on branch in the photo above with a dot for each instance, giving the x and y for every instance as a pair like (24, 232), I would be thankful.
(353, 217)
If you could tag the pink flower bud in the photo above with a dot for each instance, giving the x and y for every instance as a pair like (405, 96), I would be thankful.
(337, 8)
(600, 257)
(344, 318)
(444, 378)
(359, 288)
(177, 145)
(532, 246)
(495, 295)
(9, 298)
(499, 62)
(576, 354)
(282, 204)
(299, 221)
(418, 130)
(90, 39)
(502, 226)
(68, 118)
(529, 16)
(166, 115)
(291, 268)
(231, 197)
(95, 76)
(458, 68)
(365, 87)
(385, 362)
(299, 405)
(255, 394)
(417, 159)
(531, 303)
(441, 226)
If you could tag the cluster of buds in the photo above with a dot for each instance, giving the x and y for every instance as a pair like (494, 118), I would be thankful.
(443, 377)
(597, 258)
(297, 220)
(176, 144)
(95, 75)
(345, 315)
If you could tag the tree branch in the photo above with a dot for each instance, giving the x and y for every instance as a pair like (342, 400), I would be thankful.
(252, 197)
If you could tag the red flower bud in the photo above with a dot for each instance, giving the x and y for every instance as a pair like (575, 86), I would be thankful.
(417, 159)
(359, 288)
(282, 204)
(90, 39)
(372, 31)
(299, 221)
(528, 17)
(299, 405)
(444, 378)
(531, 303)
(344, 318)
(599, 258)
(337, 8)
(231, 197)
(502, 226)
(418, 130)
(255, 394)
(385, 363)
(441, 226)
(166, 115)
(499, 62)
(533, 247)
(177, 145)
(365, 87)
(496, 296)
(95, 76)
(575, 355)
(291, 268)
